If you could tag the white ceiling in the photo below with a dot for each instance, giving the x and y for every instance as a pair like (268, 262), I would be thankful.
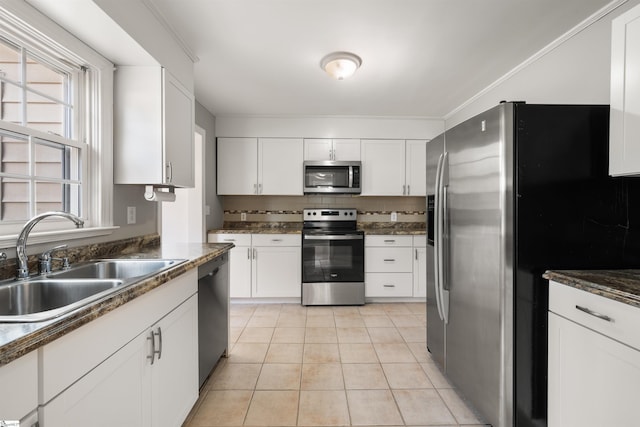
(420, 58)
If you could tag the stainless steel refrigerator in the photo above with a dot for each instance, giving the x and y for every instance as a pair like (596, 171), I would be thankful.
(512, 192)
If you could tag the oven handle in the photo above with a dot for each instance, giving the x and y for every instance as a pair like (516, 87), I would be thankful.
(335, 237)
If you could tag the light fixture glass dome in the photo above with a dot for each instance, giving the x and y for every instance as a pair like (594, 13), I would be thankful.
(340, 65)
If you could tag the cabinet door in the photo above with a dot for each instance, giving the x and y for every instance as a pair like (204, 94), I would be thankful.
(416, 168)
(624, 149)
(420, 272)
(174, 374)
(240, 272)
(593, 380)
(382, 167)
(178, 109)
(346, 149)
(277, 271)
(318, 149)
(237, 166)
(280, 166)
(19, 390)
(115, 393)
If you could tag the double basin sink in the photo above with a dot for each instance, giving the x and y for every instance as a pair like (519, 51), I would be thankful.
(43, 298)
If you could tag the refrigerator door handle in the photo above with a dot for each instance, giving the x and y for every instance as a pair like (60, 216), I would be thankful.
(436, 239)
(443, 238)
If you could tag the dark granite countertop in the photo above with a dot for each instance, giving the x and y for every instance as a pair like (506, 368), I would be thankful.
(618, 285)
(18, 339)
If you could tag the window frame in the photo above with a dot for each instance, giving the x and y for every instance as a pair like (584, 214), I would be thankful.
(20, 21)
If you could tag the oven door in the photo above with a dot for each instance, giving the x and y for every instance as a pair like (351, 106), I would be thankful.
(332, 257)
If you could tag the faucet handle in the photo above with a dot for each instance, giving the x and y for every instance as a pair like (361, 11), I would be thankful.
(47, 254)
(45, 258)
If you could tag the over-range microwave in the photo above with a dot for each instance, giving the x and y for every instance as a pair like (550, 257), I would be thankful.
(330, 176)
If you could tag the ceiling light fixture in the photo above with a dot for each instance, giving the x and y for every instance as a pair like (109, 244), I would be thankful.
(340, 65)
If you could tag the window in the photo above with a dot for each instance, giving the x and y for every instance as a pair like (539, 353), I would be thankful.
(38, 173)
(55, 143)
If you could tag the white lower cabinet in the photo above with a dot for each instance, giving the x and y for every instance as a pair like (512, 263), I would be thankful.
(116, 392)
(151, 380)
(388, 266)
(594, 370)
(19, 390)
(420, 266)
(277, 265)
(240, 261)
(263, 265)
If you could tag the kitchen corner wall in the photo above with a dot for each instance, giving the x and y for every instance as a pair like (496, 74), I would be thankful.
(205, 120)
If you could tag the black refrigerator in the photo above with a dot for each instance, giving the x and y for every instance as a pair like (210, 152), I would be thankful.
(511, 193)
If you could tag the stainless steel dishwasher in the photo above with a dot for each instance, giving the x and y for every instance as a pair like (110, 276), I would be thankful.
(213, 313)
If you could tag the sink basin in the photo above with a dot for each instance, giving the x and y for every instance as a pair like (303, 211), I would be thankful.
(43, 298)
(117, 269)
(46, 297)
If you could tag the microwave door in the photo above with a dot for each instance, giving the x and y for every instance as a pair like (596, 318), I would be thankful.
(336, 177)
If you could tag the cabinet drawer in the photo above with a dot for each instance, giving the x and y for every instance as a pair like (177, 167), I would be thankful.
(238, 239)
(388, 260)
(384, 241)
(276, 239)
(565, 300)
(420, 241)
(388, 284)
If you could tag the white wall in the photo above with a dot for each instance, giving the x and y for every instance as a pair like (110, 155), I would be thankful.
(135, 17)
(575, 72)
(329, 127)
(207, 121)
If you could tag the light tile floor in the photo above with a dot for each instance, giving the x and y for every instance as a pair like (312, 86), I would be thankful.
(329, 366)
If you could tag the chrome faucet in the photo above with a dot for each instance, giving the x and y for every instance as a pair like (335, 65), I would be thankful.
(21, 244)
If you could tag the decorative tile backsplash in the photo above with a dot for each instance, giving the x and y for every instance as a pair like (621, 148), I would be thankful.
(289, 208)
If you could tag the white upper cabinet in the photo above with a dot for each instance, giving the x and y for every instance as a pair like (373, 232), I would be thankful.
(280, 166)
(393, 167)
(624, 145)
(237, 166)
(153, 128)
(416, 167)
(382, 167)
(265, 166)
(332, 149)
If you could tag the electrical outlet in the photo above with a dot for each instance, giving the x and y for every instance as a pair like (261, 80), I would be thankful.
(243, 216)
(394, 216)
(131, 214)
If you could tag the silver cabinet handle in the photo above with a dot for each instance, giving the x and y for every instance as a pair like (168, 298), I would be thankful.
(389, 286)
(152, 337)
(154, 351)
(416, 254)
(389, 260)
(404, 188)
(255, 253)
(169, 168)
(159, 343)
(259, 188)
(408, 190)
(229, 240)
(255, 188)
(276, 240)
(248, 253)
(390, 241)
(595, 313)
